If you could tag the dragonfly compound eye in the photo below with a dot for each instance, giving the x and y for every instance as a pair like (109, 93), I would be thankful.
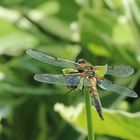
(81, 61)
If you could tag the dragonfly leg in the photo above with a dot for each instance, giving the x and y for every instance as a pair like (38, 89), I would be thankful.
(71, 90)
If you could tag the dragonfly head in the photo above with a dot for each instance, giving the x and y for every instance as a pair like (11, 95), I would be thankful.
(82, 64)
(81, 61)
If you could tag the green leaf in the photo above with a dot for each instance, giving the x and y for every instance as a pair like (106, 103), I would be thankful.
(59, 28)
(7, 27)
(96, 29)
(98, 50)
(14, 43)
(122, 32)
(117, 123)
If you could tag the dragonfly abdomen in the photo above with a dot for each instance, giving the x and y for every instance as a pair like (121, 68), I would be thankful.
(96, 102)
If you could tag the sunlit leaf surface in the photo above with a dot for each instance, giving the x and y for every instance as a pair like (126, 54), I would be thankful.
(117, 123)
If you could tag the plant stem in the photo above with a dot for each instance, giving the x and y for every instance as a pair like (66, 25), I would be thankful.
(89, 116)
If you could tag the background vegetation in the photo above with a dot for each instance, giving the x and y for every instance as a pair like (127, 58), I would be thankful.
(100, 31)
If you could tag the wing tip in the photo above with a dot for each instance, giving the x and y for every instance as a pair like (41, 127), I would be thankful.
(134, 95)
(29, 51)
(36, 77)
(127, 71)
(130, 70)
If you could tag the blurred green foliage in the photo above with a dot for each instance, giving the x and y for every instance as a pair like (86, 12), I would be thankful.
(102, 32)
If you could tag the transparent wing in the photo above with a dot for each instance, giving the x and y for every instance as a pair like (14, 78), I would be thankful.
(108, 85)
(51, 60)
(120, 70)
(60, 79)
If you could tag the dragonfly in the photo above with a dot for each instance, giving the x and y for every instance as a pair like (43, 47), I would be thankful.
(81, 74)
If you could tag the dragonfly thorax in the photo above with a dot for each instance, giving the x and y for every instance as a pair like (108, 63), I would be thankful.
(84, 67)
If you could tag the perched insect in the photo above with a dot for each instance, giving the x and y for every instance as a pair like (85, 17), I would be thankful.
(81, 74)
